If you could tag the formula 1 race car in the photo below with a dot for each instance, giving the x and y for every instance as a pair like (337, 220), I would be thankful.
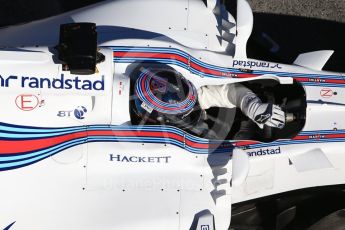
(75, 153)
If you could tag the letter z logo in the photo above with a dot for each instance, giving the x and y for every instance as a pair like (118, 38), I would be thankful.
(326, 93)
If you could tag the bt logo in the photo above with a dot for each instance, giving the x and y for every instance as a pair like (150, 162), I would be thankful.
(78, 113)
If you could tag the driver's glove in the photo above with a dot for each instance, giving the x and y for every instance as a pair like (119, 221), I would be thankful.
(251, 105)
(237, 95)
(269, 114)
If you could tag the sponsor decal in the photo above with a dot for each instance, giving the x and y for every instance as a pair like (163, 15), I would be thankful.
(229, 74)
(78, 113)
(5, 82)
(28, 102)
(139, 159)
(267, 151)
(66, 113)
(252, 64)
(317, 80)
(61, 82)
(326, 93)
(316, 136)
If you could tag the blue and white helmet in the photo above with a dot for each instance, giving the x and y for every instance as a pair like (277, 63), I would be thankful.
(164, 95)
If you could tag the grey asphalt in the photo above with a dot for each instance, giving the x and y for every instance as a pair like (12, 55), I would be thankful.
(333, 10)
(299, 26)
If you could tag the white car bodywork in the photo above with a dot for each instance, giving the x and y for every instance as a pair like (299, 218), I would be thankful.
(62, 169)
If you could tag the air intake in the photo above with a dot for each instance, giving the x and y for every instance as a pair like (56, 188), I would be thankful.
(78, 47)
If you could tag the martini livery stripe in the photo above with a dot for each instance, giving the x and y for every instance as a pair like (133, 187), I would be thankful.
(25, 145)
(195, 66)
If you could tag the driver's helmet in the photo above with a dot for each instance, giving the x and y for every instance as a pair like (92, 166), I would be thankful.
(165, 97)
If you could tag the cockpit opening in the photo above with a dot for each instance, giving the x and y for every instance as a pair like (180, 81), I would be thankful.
(160, 95)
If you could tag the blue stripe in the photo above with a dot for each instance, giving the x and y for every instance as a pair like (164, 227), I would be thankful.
(35, 159)
(152, 50)
(291, 142)
(217, 68)
(27, 136)
(41, 152)
(29, 129)
(20, 160)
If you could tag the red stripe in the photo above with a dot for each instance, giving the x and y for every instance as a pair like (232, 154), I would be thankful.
(244, 143)
(247, 75)
(205, 70)
(339, 135)
(210, 71)
(20, 146)
(302, 79)
(319, 80)
(136, 134)
(197, 145)
(149, 134)
(300, 138)
(150, 55)
(334, 81)
(178, 58)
